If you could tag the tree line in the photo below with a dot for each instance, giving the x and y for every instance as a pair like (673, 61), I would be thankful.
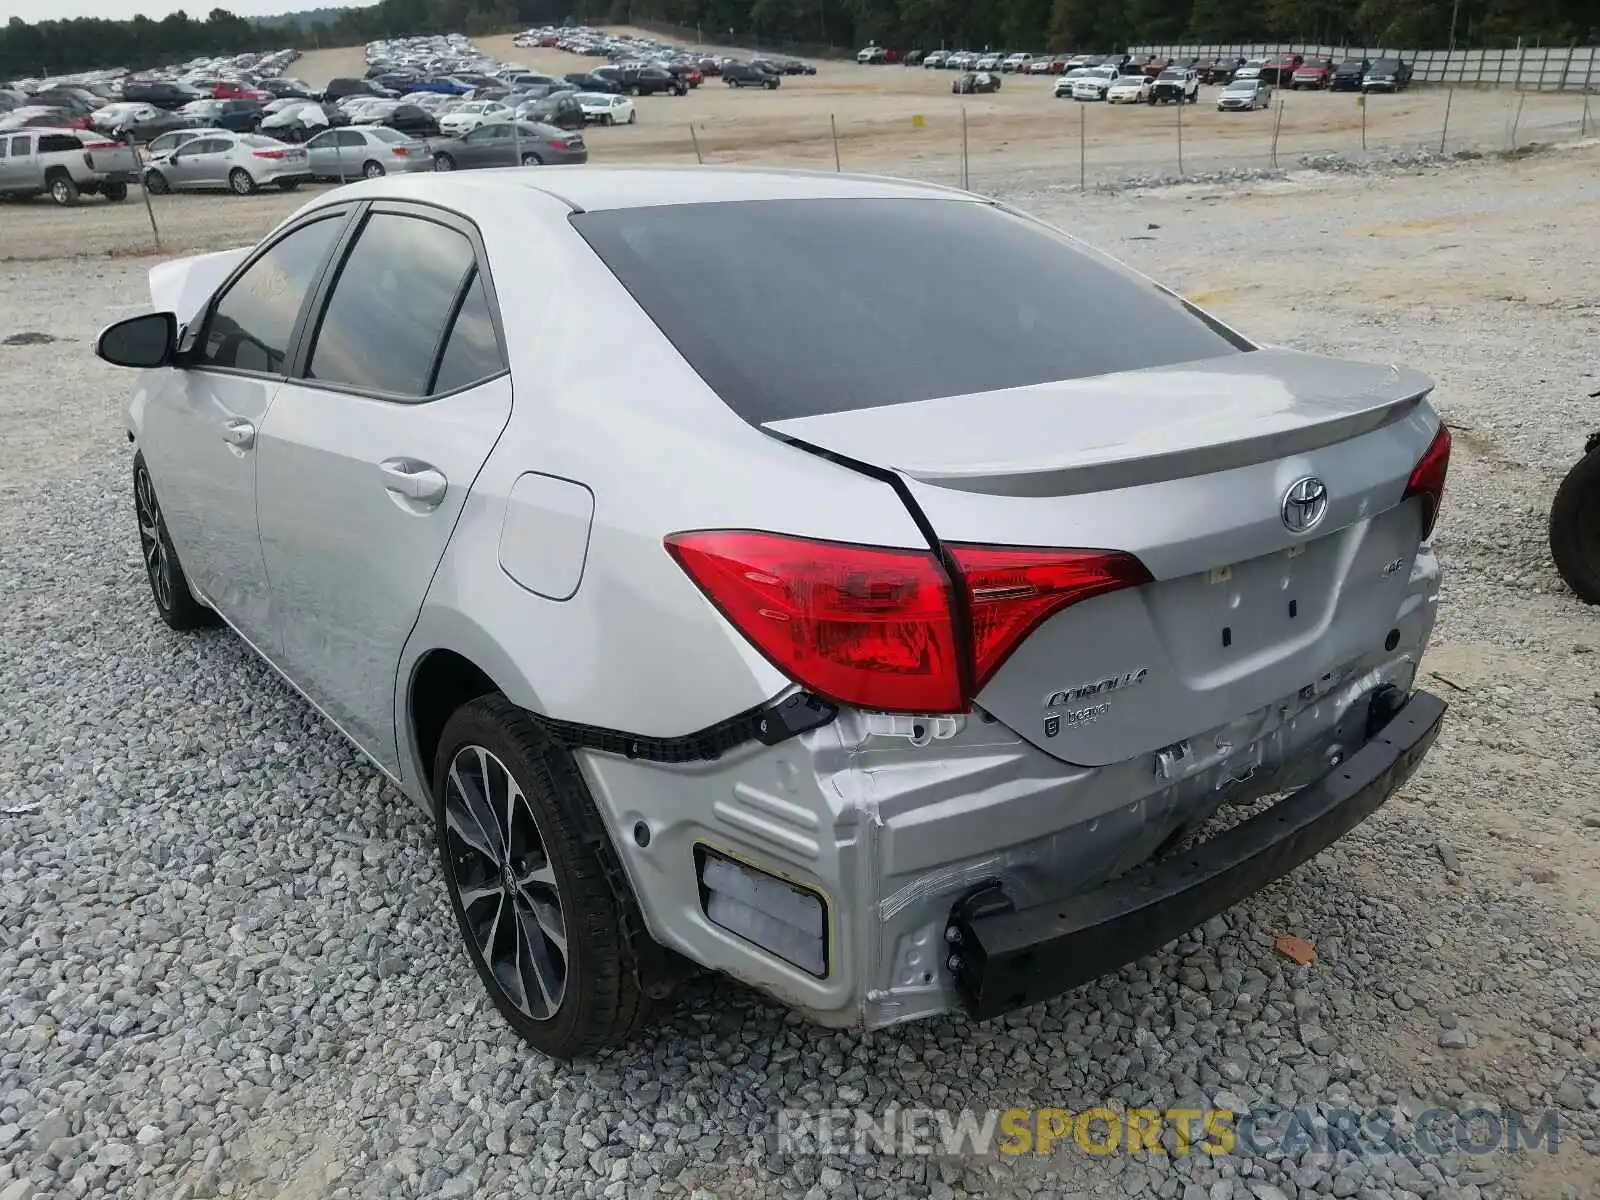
(59, 47)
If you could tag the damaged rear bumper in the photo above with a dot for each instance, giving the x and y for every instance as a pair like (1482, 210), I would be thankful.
(1003, 958)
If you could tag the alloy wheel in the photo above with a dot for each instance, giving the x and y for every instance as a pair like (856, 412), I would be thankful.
(506, 883)
(154, 549)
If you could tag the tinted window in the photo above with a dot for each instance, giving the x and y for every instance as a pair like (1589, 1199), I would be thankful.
(55, 143)
(390, 304)
(472, 353)
(849, 309)
(253, 322)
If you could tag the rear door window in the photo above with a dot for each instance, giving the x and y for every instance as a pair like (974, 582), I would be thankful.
(390, 306)
(792, 308)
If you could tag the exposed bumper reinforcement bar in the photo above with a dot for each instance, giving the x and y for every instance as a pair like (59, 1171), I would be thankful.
(1005, 959)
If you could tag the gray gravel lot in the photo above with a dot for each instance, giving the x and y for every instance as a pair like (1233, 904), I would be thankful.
(227, 966)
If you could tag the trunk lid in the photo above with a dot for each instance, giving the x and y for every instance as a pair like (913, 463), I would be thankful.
(1188, 467)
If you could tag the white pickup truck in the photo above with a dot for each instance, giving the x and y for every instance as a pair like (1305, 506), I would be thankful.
(65, 164)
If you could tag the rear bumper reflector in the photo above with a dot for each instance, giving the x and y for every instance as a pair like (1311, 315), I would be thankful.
(1005, 958)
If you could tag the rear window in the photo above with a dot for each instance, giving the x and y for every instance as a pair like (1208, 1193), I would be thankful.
(384, 134)
(791, 308)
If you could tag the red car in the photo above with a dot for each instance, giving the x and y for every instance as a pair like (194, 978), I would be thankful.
(1316, 73)
(240, 91)
(1279, 72)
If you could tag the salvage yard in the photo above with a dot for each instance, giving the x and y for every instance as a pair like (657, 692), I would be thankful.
(228, 966)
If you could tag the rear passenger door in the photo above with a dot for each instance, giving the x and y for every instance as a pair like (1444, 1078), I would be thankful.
(367, 455)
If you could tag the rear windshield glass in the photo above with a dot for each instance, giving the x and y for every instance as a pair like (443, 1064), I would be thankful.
(791, 308)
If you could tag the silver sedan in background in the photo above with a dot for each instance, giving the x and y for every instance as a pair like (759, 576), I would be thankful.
(366, 150)
(508, 144)
(240, 162)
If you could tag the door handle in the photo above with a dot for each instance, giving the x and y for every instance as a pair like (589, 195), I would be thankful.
(414, 480)
(240, 434)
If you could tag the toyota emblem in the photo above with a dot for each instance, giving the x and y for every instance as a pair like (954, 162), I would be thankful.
(1304, 504)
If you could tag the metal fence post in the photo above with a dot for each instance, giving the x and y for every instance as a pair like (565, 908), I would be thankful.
(833, 125)
(1182, 100)
(1449, 98)
(1277, 124)
(1583, 129)
(966, 169)
(150, 211)
(1517, 120)
(697, 156)
(1083, 152)
(1361, 103)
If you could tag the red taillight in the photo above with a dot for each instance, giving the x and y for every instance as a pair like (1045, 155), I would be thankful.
(1012, 590)
(402, 151)
(882, 628)
(865, 625)
(558, 144)
(1427, 478)
(269, 153)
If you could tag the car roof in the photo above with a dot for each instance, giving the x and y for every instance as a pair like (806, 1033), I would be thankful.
(592, 189)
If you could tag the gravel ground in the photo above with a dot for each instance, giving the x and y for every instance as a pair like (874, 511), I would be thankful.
(228, 967)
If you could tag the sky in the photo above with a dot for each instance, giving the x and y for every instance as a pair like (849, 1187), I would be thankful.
(122, 10)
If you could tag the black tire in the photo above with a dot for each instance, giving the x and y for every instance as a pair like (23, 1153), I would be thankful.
(632, 117)
(532, 160)
(241, 183)
(443, 162)
(62, 190)
(288, 185)
(115, 192)
(600, 1002)
(373, 169)
(168, 587)
(1575, 528)
(156, 183)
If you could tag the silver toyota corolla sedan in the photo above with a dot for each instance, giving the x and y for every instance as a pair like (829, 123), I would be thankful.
(876, 651)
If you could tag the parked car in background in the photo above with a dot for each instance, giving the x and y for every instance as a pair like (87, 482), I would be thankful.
(652, 81)
(239, 116)
(470, 115)
(233, 90)
(300, 120)
(1094, 83)
(239, 162)
(588, 81)
(1387, 75)
(65, 164)
(1243, 95)
(365, 150)
(168, 142)
(1065, 82)
(1130, 89)
(1011, 662)
(749, 75)
(42, 116)
(139, 121)
(509, 144)
(411, 120)
(599, 108)
(1017, 63)
(1279, 71)
(691, 75)
(934, 59)
(990, 61)
(160, 92)
(1314, 73)
(338, 89)
(1219, 70)
(561, 111)
(976, 83)
(1347, 76)
(1179, 85)
(872, 55)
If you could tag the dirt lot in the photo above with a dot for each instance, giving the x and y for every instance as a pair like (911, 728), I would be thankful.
(189, 807)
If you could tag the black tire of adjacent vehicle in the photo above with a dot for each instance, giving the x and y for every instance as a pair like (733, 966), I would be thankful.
(156, 183)
(1575, 528)
(180, 610)
(288, 185)
(62, 190)
(603, 1004)
(443, 162)
(373, 169)
(115, 192)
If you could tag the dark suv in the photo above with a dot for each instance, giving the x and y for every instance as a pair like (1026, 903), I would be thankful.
(749, 75)
(1387, 75)
(158, 92)
(1347, 76)
(647, 81)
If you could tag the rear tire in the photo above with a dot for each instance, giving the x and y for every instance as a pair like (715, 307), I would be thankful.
(240, 182)
(1575, 528)
(532, 160)
(168, 587)
(62, 190)
(288, 185)
(372, 169)
(443, 162)
(564, 976)
(115, 192)
(633, 116)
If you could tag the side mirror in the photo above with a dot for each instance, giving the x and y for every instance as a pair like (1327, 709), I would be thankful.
(143, 341)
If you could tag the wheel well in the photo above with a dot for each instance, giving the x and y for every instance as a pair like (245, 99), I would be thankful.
(442, 683)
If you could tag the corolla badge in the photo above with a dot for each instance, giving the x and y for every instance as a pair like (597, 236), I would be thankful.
(1304, 504)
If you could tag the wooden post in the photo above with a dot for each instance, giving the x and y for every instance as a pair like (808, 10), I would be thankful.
(697, 156)
(1517, 120)
(149, 208)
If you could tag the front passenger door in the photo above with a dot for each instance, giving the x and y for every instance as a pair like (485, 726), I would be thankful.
(368, 454)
